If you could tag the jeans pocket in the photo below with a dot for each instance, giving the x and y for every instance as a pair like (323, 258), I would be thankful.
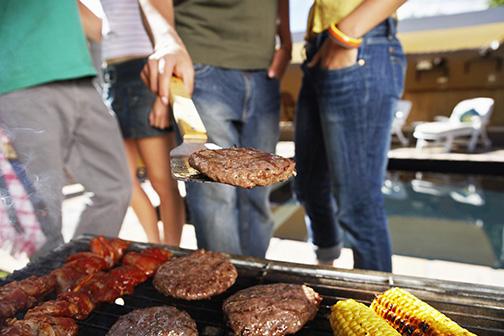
(345, 69)
(201, 70)
(341, 86)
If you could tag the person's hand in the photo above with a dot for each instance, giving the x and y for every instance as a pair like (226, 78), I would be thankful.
(281, 60)
(332, 56)
(169, 59)
(159, 117)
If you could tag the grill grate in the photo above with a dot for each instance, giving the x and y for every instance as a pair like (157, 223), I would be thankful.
(477, 308)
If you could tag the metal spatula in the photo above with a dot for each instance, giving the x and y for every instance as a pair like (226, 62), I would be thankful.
(192, 130)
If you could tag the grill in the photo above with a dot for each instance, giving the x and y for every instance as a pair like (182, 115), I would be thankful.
(477, 308)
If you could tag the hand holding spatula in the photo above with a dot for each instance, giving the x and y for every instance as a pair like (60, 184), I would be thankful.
(193, 133)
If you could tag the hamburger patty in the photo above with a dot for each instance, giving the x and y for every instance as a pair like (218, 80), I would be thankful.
(242, 167)
(196, 276)
(155, 321)
(267, 310)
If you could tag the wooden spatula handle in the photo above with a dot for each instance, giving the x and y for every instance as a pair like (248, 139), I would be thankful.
(186, 116)
(177, 88)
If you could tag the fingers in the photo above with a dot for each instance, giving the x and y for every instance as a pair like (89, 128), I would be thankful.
(144, 75)
(188, 78)
(152, 117)
(152, 64)
(165, 74)
(280, 62)
(159, 117)
(314, 60)
(162, 116)
(272, 70)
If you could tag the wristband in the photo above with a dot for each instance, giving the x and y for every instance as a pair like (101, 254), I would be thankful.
(342, 39)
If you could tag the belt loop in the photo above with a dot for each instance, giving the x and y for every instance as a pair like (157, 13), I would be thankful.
(391, 28)
(109, 75)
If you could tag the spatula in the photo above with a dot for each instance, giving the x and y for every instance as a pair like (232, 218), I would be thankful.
(193, 133)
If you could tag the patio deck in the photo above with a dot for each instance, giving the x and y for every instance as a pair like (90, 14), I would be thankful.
(459, 161)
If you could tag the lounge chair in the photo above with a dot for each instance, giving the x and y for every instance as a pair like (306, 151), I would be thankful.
(400, 116)
(468, 121)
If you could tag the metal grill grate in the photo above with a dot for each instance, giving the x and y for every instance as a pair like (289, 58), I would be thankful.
(477, 308)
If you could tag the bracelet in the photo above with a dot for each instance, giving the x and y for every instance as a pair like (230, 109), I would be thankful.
(343, 39)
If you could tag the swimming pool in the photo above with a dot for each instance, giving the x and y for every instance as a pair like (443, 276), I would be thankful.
(447, 216)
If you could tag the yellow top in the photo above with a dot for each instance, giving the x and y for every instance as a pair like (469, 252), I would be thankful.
(325, 12)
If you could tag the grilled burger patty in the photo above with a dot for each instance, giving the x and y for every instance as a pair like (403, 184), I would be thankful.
(242, 167)
(155, 321)
(267, 310)
(197, 276)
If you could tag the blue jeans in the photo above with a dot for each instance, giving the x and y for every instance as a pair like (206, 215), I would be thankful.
(343, 122)
(238, 108)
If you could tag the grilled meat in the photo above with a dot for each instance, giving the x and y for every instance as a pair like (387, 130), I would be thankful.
(72, 271)
(204, 274)
(271, 310)
(41, 326)
(73, 305)
(110, 250)
(242, 167)
(155, 321)
(19, 295)
(90, 291)
(148, 260)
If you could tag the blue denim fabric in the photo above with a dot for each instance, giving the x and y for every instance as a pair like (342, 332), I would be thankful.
(129, 98)
(343, 122)
(238, 108)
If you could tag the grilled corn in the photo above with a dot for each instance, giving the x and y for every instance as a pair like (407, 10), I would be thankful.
(411, 316)
(351, 318)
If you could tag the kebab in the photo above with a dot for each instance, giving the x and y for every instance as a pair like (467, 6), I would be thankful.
(19, 295)
(57, 317)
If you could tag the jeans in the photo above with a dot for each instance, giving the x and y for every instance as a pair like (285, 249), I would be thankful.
(343, 121)
(238, 108)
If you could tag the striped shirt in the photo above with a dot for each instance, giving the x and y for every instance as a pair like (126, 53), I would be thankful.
(126, 34)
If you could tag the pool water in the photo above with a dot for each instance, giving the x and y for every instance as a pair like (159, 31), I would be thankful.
(449, 217)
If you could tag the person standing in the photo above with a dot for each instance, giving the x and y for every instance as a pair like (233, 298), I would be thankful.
(237, 72)
(56, 119)
(353, 79)
(143, 118)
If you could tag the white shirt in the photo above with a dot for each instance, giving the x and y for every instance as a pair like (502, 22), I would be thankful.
(125, 34)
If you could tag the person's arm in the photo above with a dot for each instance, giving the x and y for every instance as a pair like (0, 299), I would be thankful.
(91, 23)
(170, 56)
(367, 16)
(283, 54)
(362, 19)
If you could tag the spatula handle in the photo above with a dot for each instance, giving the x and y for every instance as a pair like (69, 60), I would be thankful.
(186, 116)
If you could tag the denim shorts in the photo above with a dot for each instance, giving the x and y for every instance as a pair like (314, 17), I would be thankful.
(129, 98)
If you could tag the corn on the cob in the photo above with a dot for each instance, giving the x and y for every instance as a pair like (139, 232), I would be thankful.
(351, 318)
(413, 317)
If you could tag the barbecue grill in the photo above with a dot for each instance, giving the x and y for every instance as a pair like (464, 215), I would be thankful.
(477, 308)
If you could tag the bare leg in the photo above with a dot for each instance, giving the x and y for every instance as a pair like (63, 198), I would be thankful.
(139, 200)
(155, 151)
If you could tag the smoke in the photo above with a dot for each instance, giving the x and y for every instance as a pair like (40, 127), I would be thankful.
(24, 215)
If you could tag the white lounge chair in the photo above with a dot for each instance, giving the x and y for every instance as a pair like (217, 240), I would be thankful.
(400, 116)
(468, 120)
